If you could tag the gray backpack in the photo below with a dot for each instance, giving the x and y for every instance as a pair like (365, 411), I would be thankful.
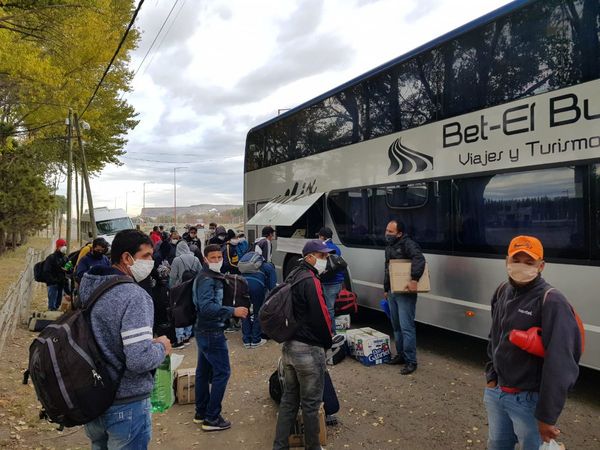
(251, 262)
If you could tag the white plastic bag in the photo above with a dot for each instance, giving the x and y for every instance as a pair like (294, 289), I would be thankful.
(552, 445)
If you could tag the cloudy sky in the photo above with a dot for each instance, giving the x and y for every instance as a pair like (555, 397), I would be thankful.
(220, 67)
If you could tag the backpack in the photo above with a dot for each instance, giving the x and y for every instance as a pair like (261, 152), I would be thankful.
(235, 291)
(251, 262)
(182, 309)
(277, 313)
(68, 371)
(38, 272)
(337, 352)
(346, 303)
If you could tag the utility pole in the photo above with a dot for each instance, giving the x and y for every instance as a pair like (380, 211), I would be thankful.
(69, 176)
(77, 213)
(86, 179)
(175, 193)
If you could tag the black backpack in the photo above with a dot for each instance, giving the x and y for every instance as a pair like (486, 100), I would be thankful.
(235, 291)
(182, 309)
(277, 313)
(68, 371)
(38, 272)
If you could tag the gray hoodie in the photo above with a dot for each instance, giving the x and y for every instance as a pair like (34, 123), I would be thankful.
(184, 260)
(122, 321)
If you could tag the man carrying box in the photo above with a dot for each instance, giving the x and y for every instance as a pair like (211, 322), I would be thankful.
(403, 305)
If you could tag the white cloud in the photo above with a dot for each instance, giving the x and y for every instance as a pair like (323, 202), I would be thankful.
(228, 65)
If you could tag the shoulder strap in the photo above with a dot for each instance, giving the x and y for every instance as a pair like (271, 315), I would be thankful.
(107, 285)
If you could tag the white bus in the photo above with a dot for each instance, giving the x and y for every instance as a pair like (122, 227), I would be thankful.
(108, 223)
(490, 131)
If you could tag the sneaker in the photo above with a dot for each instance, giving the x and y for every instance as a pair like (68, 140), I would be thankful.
(408, 369)
(247, 345)
(216, 425)
(398, 359)
(178, 345)
(230, 330)
(259, 344)
(199, 418)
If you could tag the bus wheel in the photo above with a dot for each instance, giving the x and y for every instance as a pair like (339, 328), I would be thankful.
(292, 260)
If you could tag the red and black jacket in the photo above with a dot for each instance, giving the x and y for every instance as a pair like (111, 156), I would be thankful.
(310, 308)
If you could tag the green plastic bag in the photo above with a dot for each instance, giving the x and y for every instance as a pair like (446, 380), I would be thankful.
(163, 396)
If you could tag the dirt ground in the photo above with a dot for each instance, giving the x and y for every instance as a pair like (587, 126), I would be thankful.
(438, 407)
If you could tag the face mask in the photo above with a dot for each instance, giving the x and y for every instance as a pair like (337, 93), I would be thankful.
(221, 237)
(174, 241)
(63, 249)
(522, 273)
(215, 267)
(141, 268)
(321, 265)
(390, 238)
(98, 254)
(234, 241)
(242, 239)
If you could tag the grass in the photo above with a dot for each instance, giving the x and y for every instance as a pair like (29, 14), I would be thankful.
(12, 263)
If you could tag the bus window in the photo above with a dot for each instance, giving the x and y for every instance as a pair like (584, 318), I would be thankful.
(424, 208)
(596, 212)
(350, 213)
(548, 204)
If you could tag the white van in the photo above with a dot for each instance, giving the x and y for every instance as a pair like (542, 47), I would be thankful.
(108, 223)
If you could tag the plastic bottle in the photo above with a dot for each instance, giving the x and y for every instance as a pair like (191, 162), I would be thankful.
(162, 393)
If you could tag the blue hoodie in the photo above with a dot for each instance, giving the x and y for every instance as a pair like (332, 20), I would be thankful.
(122, 321)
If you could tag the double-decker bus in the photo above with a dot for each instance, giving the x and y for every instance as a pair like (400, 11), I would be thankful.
(490, 131)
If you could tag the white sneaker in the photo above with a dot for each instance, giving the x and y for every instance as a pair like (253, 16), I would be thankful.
(259, 344)
(248, 345)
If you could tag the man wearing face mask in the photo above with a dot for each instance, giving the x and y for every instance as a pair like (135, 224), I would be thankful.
(525, 394)
(122, 320)
(55, 276)
(403, 305)
(303, 355)
(96, 257)
(213, 369)
(220, 236)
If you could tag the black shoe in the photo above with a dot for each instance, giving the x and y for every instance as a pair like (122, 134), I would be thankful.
(408, 369)
(178, 345)
(199, 418)
(398, 359)
(216, 425)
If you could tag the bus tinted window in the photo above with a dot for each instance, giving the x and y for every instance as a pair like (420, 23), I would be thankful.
(350, 212)
(548, 204)
(541, 47)
(596, 210)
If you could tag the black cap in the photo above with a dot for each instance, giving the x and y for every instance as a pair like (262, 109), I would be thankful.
(173, 229)
(325, 232)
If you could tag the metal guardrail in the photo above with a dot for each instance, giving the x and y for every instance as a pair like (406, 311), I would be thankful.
(18, 298)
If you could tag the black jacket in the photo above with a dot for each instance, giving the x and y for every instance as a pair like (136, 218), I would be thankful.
(404, 248)
(520, 308)
(53, 269)
(310, 308)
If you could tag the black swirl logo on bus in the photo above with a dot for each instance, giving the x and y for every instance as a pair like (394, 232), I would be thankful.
(404, 160)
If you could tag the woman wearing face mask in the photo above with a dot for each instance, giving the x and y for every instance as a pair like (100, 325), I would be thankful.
(525, 394)
(55, 276)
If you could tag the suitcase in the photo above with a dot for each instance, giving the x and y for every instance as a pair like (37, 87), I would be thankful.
(346, 303)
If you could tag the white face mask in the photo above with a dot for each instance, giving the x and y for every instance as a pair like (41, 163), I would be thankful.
(63, 249)
(141, 268)
(522, 273)
(242, 239)
(215, 267)
(234, 241)
(321, 265)
(174, 241)
(221, 237)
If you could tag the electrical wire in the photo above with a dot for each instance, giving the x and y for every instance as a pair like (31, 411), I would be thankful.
(155, 38)
(136, 12)
(180, 162)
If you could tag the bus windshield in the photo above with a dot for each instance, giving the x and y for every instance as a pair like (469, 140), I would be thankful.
(112, 226)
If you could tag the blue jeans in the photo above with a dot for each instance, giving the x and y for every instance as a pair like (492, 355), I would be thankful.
(304, 380)
(127, 427)
(511, 420)
(212, 372)
(55, 292)
(251, 330)
(183, 333)
(402, 313)
(330, 292)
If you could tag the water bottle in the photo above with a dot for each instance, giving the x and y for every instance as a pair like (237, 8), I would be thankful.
(162, 393)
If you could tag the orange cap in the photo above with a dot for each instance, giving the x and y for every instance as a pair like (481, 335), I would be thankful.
(526, 244)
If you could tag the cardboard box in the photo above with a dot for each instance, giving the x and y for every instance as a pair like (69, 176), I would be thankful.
(342, 322)
(297, 436)
(400, 276)
(369, 346)
(185, 381)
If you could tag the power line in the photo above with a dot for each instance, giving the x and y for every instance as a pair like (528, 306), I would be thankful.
(164, 36)
(156, 37)
(180, 162)
(137, 10)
